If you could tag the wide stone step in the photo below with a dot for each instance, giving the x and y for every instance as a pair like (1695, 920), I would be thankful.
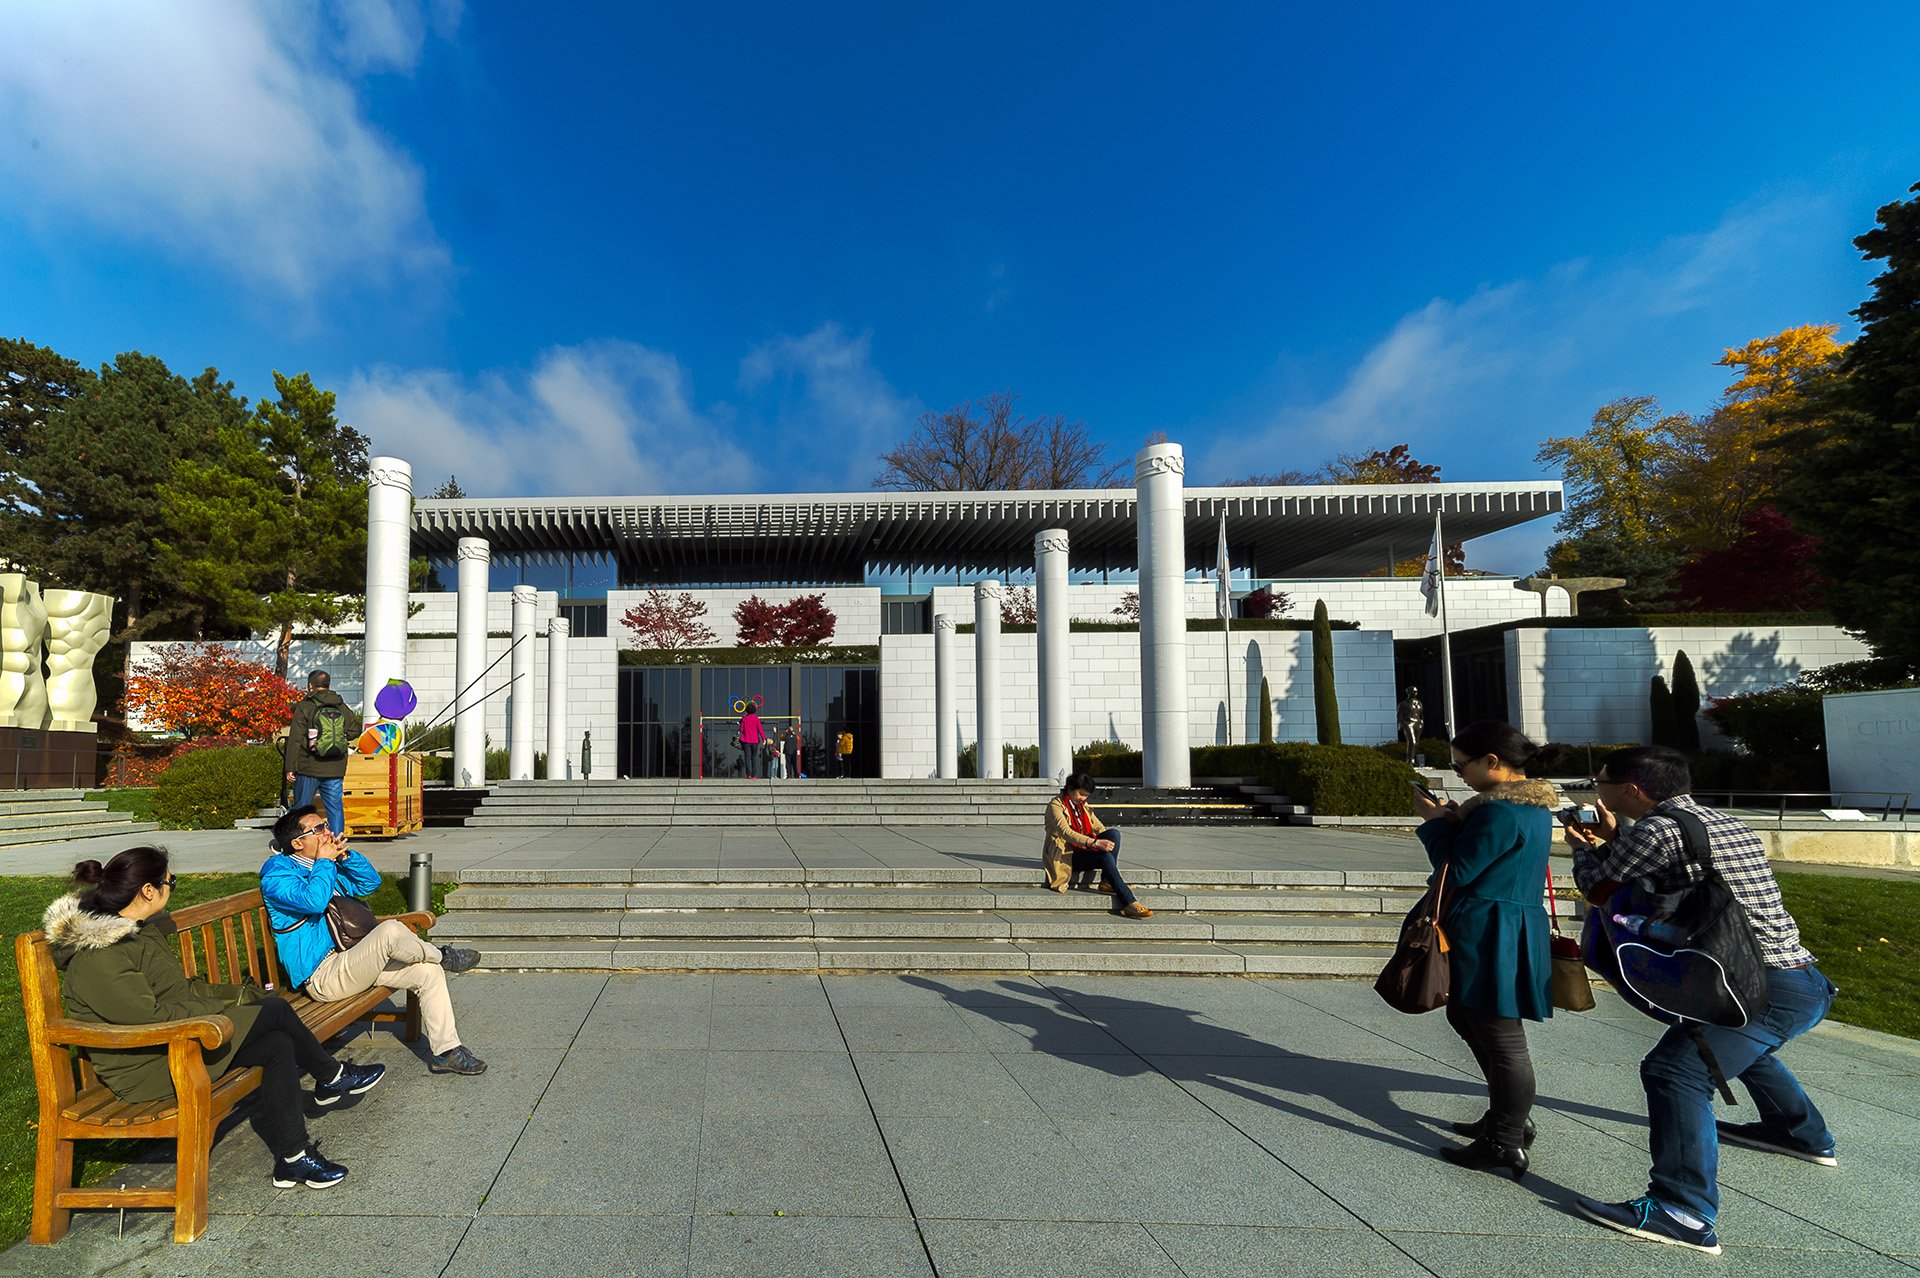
(863, 873)
(920, 899)
(1136, 956)
(64, 817)
(67, 833)
(481, 927)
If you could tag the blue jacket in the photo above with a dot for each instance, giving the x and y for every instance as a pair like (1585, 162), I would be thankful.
(297, 895)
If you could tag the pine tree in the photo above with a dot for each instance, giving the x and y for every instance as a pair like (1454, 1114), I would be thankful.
(1266, 712)
(1326, 705)
(1663, 714)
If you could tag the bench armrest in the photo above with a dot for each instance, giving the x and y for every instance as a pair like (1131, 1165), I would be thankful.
(419, 921)
(211, 1031)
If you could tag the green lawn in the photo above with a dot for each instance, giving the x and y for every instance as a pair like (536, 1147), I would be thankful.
(1866, 934)
(22, 903)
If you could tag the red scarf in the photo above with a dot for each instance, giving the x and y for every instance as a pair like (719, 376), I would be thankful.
(1077, 818)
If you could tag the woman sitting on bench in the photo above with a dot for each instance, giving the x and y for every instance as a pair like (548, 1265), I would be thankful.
(1078, 844)
(109, 942)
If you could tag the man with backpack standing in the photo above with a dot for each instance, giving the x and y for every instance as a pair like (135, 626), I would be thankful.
(318, 742)
(1650, 785)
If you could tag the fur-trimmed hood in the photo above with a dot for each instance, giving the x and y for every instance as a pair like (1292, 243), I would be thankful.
(1529, 793)
(71, 929)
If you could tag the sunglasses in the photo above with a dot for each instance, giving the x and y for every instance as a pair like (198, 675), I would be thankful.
(306, 830)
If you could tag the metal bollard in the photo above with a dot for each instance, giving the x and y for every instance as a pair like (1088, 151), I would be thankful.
(420, 883)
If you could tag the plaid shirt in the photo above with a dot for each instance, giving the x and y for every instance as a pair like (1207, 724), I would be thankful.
(1655, 848)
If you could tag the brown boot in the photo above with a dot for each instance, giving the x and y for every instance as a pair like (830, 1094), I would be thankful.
(1135, 911)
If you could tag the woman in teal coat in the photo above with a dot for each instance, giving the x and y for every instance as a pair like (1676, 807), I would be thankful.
(1494, 849)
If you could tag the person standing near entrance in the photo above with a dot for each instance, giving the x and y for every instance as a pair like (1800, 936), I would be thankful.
(753, 740)
(318, 742)
(843, 753)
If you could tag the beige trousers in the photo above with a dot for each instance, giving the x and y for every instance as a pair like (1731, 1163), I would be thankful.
(392, 955)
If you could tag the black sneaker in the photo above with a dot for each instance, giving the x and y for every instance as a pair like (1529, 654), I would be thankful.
(309, 1169)
(353, 1080)
(457, 1060)
(1646, 1218)
(455, 958)
(1757, 1136)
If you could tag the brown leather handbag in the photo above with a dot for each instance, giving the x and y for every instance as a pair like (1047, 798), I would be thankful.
(1417, 977)
(1572, 991)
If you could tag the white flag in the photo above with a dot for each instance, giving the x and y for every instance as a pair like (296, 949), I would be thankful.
(1225, 605)
(1434, 575)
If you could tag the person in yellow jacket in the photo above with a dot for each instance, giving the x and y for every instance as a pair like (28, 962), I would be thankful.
(1078, 843)
(843, 753)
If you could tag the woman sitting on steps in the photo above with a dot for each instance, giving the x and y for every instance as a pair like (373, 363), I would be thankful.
(1077, 843)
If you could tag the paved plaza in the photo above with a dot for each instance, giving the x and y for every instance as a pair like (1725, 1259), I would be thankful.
(822, 1125)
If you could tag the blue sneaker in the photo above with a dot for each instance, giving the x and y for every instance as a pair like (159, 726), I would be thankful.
(1757, 1136)
(309, 1168)
(1646, 1218)
(351, 1081)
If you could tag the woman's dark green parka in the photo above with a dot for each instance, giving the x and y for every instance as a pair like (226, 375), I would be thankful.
(116, 971)
(1498, 934)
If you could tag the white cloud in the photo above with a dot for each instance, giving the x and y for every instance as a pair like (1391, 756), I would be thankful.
(219, 129)
(605, 419)
(832, 402)
(1476, 384)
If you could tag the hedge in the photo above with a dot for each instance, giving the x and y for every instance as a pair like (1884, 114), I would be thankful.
(1330, 780)
(211, 789)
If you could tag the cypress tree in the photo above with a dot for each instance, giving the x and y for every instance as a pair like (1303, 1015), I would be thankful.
(1266, 713)
(1661, 710)
(1686, 705)
(1326, 706)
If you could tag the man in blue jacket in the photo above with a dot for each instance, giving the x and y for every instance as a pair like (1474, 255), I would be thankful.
(297, 883)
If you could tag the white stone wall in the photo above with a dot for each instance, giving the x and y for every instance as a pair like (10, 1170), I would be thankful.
(856, 610)
(1579, 686)
(1873, 743)
(1106, 690)
(592, 679)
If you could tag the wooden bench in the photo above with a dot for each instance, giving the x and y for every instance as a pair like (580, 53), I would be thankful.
(227, 941)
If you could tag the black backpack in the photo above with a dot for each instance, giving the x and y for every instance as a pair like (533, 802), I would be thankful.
(1681, 951)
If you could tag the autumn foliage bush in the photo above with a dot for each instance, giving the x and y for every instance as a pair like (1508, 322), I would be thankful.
(208, 691)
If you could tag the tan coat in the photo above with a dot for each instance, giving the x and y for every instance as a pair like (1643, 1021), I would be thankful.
(1062, 841)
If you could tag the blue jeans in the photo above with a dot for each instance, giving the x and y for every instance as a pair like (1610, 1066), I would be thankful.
(1086, 861)
(329, 789)
(1686, 1149)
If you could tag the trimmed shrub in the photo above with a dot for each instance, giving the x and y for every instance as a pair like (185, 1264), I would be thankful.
(497, 769)
(1266, 712)
(1025, 760)
(1660, 710)
(1774, 723)
(1686, 704)
(211, 789)
(1326, 705)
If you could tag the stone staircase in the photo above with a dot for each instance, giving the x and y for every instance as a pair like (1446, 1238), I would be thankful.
(1277, 922)
(863, 802)
(50, 816)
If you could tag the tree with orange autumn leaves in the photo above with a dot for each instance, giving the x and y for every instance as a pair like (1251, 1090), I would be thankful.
(207, 691)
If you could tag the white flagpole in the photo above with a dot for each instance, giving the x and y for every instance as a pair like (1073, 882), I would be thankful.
(1446, 640)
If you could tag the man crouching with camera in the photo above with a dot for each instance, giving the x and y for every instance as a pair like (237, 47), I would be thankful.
(311, 868)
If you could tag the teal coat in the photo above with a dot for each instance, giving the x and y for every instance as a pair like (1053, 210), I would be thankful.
(1496, 927)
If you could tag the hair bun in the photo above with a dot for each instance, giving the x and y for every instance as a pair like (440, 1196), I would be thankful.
(89, 872)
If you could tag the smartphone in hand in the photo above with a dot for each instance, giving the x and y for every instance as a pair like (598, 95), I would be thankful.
(1427, 794)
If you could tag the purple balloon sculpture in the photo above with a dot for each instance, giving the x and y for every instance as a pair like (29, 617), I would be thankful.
(396, 700)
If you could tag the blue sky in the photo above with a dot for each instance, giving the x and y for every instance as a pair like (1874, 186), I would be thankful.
(611, 248)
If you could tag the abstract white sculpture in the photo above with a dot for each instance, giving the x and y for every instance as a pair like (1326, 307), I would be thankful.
(78, 623)
(23, 624)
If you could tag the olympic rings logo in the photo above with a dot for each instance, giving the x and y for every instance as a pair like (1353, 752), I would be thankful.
(742, 704)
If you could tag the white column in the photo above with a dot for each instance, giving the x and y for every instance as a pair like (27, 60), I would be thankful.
(1159, 477)
(389, 524)
(558, 631)
(469, 660)
(1056, 674)
(946, 714)
(520, 692)
(986, 674)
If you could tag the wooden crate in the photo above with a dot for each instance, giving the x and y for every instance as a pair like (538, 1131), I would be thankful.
(381, 795)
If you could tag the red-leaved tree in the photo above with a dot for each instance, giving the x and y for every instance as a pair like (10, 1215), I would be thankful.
(661, 620)
(802, 622)
(1129, 606)
(205, 690)
(1019, 608)
(1769, 569)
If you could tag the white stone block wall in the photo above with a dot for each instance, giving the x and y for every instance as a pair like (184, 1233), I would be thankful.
(1579, 685)
(1106, 690)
